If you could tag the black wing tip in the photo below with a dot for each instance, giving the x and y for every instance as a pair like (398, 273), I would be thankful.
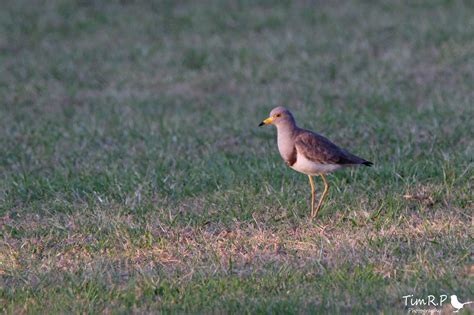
(367, 163)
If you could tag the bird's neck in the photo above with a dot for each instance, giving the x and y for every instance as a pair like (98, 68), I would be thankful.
(287, 129)
(285, 135)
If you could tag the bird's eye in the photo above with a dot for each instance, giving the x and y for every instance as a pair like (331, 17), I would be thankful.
(278, 115)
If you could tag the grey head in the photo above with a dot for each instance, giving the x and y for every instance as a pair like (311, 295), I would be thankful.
(279, 116)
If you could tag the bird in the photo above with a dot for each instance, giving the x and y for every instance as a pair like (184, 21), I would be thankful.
(308, 152)
(456, 304)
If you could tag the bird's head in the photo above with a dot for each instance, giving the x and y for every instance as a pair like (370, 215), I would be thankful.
(278, 115)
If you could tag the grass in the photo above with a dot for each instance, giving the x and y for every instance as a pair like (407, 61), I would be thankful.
(134, 178)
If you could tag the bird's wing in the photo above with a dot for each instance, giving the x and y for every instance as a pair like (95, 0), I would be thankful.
(320, 150)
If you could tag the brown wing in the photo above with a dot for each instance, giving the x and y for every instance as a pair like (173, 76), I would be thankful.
(320, 150)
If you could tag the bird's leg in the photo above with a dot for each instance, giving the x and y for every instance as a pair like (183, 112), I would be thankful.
(323, 196)
(312, 194)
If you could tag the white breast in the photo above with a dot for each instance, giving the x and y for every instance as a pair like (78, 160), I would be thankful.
(303, 165)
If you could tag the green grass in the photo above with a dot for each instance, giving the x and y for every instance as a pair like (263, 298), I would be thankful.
(133, 177)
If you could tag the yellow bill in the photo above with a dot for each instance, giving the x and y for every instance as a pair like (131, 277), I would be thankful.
(267, 121)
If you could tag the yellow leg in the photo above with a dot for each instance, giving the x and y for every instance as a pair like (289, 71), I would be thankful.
(312, 194)
(323, 196)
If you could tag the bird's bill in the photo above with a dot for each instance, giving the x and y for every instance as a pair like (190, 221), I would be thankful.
(267, 121)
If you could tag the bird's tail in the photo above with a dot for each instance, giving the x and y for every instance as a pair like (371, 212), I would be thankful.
(367, 163)
(468, 302)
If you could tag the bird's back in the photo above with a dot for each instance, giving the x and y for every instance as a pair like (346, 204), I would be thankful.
(319, 149)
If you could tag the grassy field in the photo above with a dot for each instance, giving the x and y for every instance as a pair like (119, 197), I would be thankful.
(133, 177)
